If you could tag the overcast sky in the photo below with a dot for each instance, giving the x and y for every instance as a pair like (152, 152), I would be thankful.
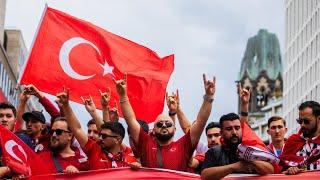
(206, 36)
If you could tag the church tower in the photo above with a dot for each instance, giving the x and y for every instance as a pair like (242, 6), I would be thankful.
(261, 72)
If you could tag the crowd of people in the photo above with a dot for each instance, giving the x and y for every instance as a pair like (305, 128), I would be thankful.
(66, 148)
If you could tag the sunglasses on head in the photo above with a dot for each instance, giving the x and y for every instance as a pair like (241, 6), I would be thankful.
(161, 123)
(305, 121)
(104, 136)
(57, 131)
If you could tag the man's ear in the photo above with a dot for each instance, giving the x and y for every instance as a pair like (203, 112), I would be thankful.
(286, 130)
(43, 126)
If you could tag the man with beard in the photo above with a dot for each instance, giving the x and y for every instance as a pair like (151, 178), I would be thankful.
(159, 150)
(212, 131)
(62, 157)
(105, 153)
(299, 146)
(222, 160)
(277, 130)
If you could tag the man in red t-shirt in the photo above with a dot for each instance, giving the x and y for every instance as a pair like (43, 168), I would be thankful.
(62, 157)
(159, 150)
(105, 153)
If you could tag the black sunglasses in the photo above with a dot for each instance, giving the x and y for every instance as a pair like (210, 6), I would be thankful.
(305, 121)
(57, 131)
(161, 123)
(104, 136)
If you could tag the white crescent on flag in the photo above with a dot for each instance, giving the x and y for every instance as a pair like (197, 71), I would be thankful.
(9, 146)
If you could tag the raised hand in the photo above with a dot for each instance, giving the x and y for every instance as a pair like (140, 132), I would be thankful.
(63, 97)
(89, 104)
(114, 113)
(173, 101)
(32, 90)
(24, 96)
(244, 94)
(121, 86)
(105, 97)
(209, 86)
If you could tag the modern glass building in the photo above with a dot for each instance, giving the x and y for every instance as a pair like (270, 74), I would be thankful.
(301, 62)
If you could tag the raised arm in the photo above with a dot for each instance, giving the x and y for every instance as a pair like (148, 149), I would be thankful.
(105, 98)
(45, 102)
(173, 103)
(244, 96)
(23, 99)
(205, 110)
(127, 110)
(91, 109)
(73, 122)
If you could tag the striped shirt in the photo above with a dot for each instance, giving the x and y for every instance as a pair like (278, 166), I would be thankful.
(306, 151)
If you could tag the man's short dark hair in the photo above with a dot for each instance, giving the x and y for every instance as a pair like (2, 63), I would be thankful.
(276, 118)
(315, 106)
(115, 127)
(228, 117)
(91, 121)
(212, 125)
(7, 105)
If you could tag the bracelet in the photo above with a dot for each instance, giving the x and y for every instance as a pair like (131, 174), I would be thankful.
(172, 113)
(124, 100)
(244, 113)
(208, 98)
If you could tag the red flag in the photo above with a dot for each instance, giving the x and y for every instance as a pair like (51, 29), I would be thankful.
(83, 57)
(125, 174)
(18, 156)
(250, 138)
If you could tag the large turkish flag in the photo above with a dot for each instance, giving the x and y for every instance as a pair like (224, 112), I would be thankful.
(83, 57)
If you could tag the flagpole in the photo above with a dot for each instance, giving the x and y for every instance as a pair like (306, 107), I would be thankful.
(32, 44)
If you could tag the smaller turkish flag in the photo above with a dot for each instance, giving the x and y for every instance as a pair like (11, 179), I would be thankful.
(18, 156)
(84, 58)
(249, 138)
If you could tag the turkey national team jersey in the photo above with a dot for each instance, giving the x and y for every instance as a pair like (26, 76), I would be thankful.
(175, 156)
(77, 161)
(100, 159)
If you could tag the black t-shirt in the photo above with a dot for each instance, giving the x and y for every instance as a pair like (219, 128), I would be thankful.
(219, 156)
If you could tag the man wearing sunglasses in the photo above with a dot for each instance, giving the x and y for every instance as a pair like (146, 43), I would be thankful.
(301, 145)
(277, 130)
(62, 157)
(105, 153)
(159, 150)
